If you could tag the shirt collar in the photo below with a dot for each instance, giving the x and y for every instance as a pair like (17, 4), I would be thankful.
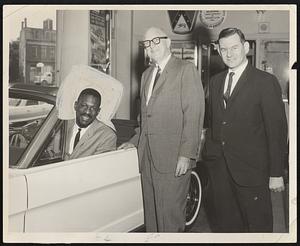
(83, 130)
(164, 62)
(240, 69)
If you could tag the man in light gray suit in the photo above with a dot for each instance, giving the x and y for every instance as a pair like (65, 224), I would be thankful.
(171, 118)
(86, 135)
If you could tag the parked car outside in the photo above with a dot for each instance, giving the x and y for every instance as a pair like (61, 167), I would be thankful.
(44, 79)
(47, 78)
(99, 193)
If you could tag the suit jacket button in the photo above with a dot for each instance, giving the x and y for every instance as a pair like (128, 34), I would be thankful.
(223, 143)
(148, 115)
(224, 123)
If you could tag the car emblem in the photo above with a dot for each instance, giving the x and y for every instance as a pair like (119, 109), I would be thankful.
(182, 22)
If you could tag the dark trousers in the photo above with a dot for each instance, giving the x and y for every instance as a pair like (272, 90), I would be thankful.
(164, 197)
(234, 208)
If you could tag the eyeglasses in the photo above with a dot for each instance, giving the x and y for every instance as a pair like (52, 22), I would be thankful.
(156, 41)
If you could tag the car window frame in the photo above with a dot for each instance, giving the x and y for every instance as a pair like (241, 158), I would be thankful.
(26, 158)
(59, 124)
(29, 95)
(40, 136)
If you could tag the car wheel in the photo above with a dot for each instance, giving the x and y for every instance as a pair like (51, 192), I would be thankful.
(193, 199)
(44, 82)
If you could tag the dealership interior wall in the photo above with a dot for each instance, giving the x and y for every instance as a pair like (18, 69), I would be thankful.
(128, 27)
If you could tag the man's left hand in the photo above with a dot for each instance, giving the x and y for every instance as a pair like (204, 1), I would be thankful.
(183, 165)
(276, 184)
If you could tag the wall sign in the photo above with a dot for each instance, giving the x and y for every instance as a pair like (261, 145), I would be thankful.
(100, 40)
(264, 27)
(185, 50)
(212, 18)
(182, 22)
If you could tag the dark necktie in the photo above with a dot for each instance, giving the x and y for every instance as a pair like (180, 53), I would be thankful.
(77, 137)
(156, 76)
(227, 92)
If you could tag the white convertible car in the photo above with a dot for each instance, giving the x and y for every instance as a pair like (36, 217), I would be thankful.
(100, 193)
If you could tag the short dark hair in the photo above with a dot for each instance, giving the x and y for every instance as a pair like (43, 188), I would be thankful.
(231, 31)
(92, 92)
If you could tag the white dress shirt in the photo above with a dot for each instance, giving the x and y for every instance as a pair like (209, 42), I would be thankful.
(74, 132)
(237, 74)
(162, 66)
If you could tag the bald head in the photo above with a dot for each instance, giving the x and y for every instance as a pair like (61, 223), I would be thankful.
(159, 48)
(154, 31)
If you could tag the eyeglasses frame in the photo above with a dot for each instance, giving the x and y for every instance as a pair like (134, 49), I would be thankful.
(159, 38)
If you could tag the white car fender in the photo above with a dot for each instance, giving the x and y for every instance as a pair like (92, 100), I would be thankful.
(17, 200)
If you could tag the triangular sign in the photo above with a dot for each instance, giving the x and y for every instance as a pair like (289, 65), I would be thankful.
(181, 26)
(182, 22)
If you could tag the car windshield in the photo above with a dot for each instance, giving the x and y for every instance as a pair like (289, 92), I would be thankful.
(25, 118)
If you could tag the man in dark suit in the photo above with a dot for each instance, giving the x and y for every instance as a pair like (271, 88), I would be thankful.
(172, 111)
(245, 142)
(86, 135)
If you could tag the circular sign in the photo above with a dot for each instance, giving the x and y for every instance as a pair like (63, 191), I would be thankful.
(212, 18)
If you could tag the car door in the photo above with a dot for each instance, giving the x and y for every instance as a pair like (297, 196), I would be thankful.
(97, 193)
(100, 193)
(17, 200)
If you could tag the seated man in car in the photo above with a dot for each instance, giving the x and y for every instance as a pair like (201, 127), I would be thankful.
(86, 135)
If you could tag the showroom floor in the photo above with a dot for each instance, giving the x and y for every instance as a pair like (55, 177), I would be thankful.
(201, 223)
(279, 211)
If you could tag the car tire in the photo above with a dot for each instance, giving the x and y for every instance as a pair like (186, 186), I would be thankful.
(44, 82)
(193, 199)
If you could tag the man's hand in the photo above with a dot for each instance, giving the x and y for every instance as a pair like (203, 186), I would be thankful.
(126, 145)
(276, 184)
(183, 165)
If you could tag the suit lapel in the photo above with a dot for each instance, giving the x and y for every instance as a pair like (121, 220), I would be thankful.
(240, 83)
(86, 135)
(148, 78)
(221, 90)
(168, 68)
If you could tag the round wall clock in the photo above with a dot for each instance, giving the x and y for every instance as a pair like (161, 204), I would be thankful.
(212, 18)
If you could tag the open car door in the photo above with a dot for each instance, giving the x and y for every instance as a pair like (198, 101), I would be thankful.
(100, 193)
